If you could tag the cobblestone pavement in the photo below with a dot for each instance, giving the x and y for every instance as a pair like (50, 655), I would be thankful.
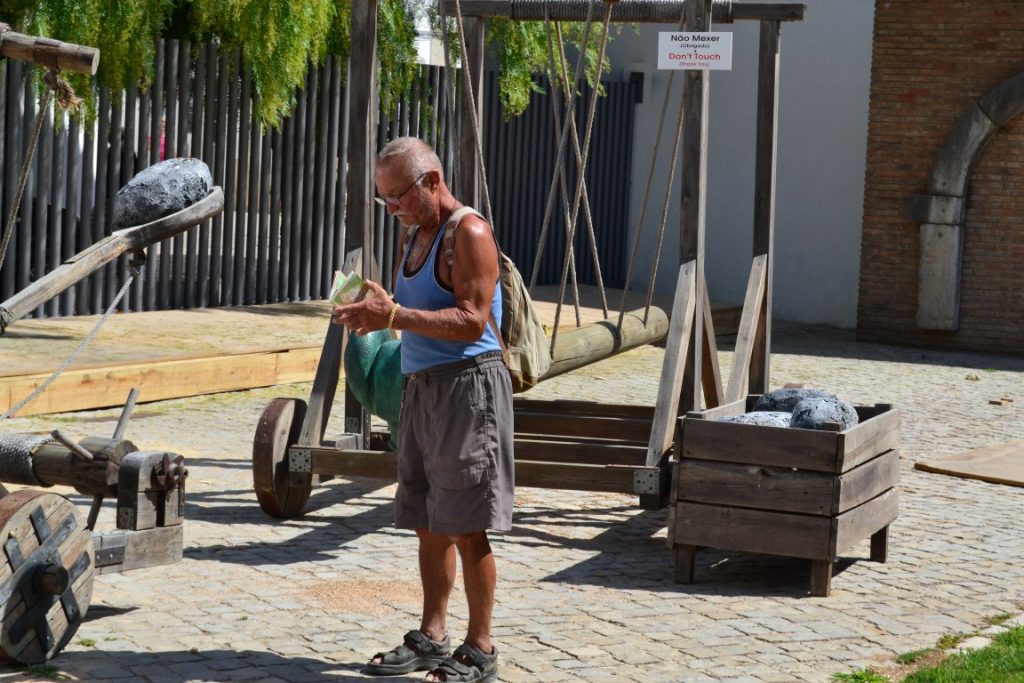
(585, 589)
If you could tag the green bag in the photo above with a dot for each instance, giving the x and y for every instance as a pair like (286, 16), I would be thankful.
(525, 345)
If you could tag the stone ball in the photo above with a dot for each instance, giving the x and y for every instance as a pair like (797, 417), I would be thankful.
(786, 399)
(815, 412)
(160, 190)
(763, 418)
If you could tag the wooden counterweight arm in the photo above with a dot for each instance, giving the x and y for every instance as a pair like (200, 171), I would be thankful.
(86, 262)
(49, 53)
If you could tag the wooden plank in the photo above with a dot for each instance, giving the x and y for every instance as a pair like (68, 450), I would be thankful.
(711, 375)
(624, 428)
(581, 346)
(755, 531)
(855, 525)
(104, 386)
(591, 452)
(591, 408)
(383, 465)
(745, 337)
(821, 578)
(676, 347)
(755, 486)
(998, 464)
(766, 146)
(725, 410)
(634, 11)
(866, 440)
(575, 477)
(755, 445)
(145, 548)
(471, 184)
(863, 483)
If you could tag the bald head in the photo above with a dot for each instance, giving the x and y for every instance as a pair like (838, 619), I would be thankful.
(414, 154)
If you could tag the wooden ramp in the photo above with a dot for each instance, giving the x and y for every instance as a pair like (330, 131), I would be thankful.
(1000, 464)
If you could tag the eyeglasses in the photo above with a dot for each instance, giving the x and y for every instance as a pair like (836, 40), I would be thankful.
(395, 199)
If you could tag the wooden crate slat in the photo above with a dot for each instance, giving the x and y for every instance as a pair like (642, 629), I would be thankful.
(601, 427)
(583, 408)
(755, 445)
(867, 481)
(854, 525)
(592, 453)
(755, 486)
(755, 531)
(867, 439)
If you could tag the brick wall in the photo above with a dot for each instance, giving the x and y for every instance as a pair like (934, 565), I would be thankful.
(931, 59)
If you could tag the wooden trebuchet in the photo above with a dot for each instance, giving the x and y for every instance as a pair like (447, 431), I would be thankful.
(50, 53)
(86, 262)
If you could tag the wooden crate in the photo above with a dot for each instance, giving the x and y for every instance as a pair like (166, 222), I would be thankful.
(782, 491)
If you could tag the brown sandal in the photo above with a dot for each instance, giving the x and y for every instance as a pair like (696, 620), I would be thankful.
(416, 652)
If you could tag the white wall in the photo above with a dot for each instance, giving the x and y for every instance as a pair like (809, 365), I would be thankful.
(823, 111)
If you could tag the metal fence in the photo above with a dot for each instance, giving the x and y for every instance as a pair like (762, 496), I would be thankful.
(281, 233)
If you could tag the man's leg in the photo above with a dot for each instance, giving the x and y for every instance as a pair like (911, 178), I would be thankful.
(437, 574)
(480, 577)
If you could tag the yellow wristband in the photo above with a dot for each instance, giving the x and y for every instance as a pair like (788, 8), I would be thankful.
(391, 318)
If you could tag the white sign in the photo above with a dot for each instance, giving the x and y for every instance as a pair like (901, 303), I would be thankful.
(695, 51)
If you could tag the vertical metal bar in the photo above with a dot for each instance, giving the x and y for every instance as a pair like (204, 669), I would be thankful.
(253, 208)
(9, 112)
(99, 226)
(331, 236)
(341, 215)
(209, 112)
(129, 150)
(168, 145)
(116, 270)
(231, 196)
(194, 285)
(275, 258)
(54, 196)
(311, 272)
(22, 239)
(244, 209)
(88, 189)
(155, 254)
(300, 237)
(41, 237)
(180, 295)
(287, 225)
(321, 254)
(72, 195)
(219, 169)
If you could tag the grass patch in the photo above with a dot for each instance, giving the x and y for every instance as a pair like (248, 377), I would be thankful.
(914, 655)
(949, 641)
(861, 676)
(999, 619)
(1000, 662)
(45, 671)
(86, 642)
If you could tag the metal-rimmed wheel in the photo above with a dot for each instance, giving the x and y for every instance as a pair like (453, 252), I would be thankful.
(46, 574)
(280, 493)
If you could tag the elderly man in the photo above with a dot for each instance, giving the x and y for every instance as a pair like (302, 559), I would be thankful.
(455, 466)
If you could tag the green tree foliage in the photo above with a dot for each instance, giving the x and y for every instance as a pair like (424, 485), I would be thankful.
(278, 40)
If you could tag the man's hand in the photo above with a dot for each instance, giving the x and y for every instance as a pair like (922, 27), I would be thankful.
(369, 314)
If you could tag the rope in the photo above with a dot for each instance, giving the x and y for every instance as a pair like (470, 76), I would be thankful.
(477, 136)
(634, 250)
(556, 112)
(562, 137)
(588, 219)
(583, 168)
(23, 178)
(133, 271)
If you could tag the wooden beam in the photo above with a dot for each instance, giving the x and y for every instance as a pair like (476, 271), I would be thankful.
(103, 386)
(583, 451)
(745, 338)
(470, 178)
(693, 206)
(711, 375)
(622, 428)
(592, 408)
(676, 347)
(764, 197)
(633, 11)
(582, 346)
(50, 53)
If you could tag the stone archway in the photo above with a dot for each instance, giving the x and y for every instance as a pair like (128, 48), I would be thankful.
(941, 210)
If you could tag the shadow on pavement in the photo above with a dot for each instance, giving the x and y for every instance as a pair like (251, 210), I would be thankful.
(203, 665)
(626, 555)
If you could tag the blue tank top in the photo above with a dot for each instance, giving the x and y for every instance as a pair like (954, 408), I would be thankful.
(423, 291)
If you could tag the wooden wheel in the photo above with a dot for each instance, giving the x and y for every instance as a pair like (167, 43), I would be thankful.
(46, 574)
(278, 493)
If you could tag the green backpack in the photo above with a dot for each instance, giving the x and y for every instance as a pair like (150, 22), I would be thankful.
(525, 345)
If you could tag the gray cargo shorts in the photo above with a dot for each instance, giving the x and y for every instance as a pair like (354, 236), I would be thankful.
(456, 473)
